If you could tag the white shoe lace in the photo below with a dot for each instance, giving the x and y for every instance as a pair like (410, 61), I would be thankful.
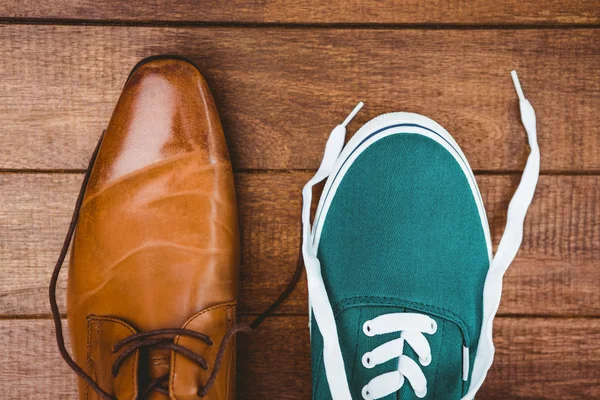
(323, 313)
(412, 327)
(321, 309)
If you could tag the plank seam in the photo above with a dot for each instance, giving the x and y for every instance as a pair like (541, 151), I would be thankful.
(293, 25)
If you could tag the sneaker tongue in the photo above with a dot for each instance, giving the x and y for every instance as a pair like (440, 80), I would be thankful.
(443, 374)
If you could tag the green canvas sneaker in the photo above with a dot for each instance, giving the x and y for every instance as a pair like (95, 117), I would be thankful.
(403, 287)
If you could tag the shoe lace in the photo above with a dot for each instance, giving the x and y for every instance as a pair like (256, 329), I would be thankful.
(155, 339)
(412, 327)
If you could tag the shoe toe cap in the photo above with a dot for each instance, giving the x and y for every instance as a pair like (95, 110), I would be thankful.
(165, 110)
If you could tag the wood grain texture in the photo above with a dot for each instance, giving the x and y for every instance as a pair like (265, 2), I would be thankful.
(556, 273)
(474, 12)
(280, 90)
(283, 73)
(535, 359)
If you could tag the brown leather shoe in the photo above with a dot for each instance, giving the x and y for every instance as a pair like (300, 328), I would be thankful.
(152, 289)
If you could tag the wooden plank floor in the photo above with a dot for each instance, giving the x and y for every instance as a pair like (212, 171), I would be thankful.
(283, 73)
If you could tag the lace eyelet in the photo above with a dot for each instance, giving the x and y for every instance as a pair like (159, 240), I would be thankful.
(425, 361)
(433, 328)
(366, 361)
(365, 393)
(367, 329)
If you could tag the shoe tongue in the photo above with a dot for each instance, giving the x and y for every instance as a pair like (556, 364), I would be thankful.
(158, 365)
(443, 374)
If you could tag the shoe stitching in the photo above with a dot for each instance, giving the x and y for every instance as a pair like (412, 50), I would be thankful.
(174, 359)
(440, 312)
(358, 329)
(229, 324)
(88, 359)
(318, 374)
(437, 367)
(96, 320)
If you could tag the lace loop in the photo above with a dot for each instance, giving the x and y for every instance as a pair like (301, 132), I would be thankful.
(169, 331)
(394, 322)
(385, 352)
(392, 379)
(146, 340)
(414, 374)
(412, 327)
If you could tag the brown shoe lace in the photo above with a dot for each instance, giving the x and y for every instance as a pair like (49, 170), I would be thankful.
(157, 339)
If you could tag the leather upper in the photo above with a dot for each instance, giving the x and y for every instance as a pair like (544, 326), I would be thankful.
(157, 242)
